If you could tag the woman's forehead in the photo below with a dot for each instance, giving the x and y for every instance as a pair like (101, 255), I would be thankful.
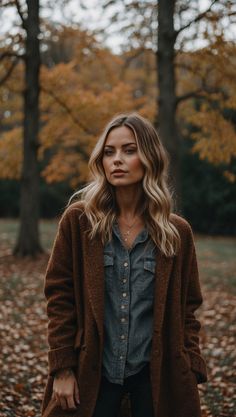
(120, 136)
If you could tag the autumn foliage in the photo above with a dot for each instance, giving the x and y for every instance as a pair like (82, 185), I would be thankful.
(83, 84)
(78, 96)
(210, 74)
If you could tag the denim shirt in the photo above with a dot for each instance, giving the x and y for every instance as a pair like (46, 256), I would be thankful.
(129, 296)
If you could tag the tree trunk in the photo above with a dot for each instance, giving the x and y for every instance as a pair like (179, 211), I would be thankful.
(28, 240)
(166, 120)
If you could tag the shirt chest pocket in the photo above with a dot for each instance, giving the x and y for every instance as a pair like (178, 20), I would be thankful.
(109, 270)
(145, 283)
(149, 266)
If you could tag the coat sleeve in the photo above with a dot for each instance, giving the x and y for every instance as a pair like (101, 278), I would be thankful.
(59, 293)
(192, 326)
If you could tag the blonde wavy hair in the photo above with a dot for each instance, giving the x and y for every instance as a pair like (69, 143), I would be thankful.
(98, 195)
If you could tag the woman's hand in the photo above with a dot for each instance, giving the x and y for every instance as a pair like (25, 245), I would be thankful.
(65, 389)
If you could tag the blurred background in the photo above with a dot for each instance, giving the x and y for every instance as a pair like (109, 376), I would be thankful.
(66, 68)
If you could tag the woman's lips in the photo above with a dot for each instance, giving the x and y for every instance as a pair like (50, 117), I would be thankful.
(118, 173)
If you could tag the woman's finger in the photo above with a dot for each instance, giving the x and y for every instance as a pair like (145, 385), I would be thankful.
(63, 403)
(56, 397)
(71, 403)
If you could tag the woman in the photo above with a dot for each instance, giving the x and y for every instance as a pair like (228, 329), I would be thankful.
(122, 287)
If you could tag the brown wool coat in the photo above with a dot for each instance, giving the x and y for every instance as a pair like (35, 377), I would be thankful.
(74, 288)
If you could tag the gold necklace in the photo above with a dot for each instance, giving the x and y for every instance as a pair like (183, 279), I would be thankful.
(127, 232)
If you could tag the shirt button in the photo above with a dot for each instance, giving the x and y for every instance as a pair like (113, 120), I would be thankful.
(122, 306)
(126, 264)
(122, 336)
(123, 320)
(124, 294)
(121, 357)
(124, 280)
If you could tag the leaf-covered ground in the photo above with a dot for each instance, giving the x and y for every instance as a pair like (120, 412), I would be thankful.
(23, 348)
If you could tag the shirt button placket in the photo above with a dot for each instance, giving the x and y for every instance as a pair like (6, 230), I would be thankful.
(123, 321)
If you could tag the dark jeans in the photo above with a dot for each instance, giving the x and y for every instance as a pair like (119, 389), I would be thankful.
(139, 388)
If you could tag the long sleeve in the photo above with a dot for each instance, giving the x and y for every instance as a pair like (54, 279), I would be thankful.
(59, 292)
(192, 327)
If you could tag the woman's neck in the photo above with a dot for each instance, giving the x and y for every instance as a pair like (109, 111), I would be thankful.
(129, 201)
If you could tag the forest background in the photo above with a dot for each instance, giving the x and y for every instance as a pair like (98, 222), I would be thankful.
(83, 83)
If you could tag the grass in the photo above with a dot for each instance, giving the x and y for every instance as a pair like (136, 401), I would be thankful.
(217, 261)
(9, 229)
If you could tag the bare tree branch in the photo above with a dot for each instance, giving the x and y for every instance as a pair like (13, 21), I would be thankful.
(130, 58)
(191, 94)
(199, 93)
(8, 3)
(10, 54)
(18, 6)
(69, 111)
(16, 3)
(8, 73)
(197, 18)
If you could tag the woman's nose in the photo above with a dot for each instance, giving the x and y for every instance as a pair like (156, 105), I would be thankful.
(117, 158)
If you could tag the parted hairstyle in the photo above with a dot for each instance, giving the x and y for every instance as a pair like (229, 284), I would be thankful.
(98, 195)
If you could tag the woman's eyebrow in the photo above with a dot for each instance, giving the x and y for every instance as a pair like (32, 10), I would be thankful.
(123, 146)
(130, 143)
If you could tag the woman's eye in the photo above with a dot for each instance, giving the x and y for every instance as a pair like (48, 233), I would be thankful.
(108, 152)
(130, 151)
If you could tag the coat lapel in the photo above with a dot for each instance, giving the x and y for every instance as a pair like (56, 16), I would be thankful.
(95, 279)
(162, 275)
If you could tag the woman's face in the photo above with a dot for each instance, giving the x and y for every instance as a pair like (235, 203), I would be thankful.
(121, 161)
